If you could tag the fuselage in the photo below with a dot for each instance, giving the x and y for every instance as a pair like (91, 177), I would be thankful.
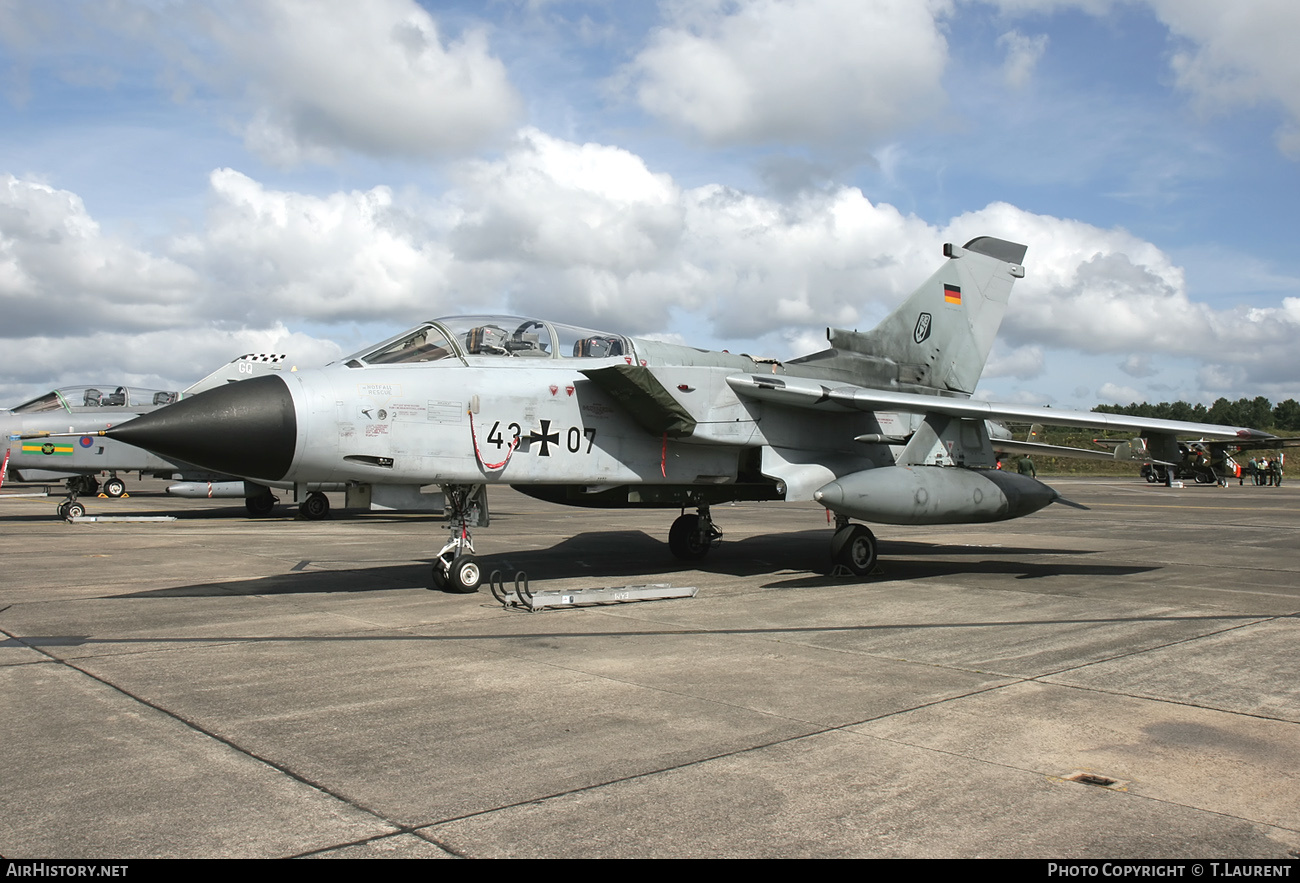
(510, 400)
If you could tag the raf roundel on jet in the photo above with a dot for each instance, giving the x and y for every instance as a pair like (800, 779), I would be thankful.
(879, 427)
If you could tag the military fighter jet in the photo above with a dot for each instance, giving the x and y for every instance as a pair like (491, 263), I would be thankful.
(879, 427)
(54, 437)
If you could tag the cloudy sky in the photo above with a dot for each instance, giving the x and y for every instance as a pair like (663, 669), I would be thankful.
(181, 182)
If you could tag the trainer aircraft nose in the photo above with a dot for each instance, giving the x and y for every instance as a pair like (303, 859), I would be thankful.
(249, 429)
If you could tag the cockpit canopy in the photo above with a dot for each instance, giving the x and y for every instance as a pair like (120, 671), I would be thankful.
(498, 336)
(66, 398)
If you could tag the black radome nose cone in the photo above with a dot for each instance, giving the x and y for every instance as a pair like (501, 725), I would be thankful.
(248, 429)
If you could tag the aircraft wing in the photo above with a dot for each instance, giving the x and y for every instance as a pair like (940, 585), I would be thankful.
(801, 392)
(1037, 449)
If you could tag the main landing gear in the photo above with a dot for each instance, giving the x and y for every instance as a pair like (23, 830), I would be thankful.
(853, 547)
(315, 507)
(456, 569)
(114, 486)
(691, 536)
(261, 505)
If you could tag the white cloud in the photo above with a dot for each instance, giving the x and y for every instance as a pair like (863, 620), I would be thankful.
(308, 78)
(1014, 397)
(1119, 395)
(1239, 53)
(377, 78)
(582, 231)
(1221, 378)
(168, 359)
(1138, 366)
(1022, 7)
(1024, 362)
(588, 233)
(793, 71)
(1023, 55)
(1227, 55)
(825, 259)
(74, 300)
(353, 255)
(58, 270)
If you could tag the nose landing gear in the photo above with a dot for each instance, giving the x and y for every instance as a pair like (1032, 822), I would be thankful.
(455, 569)
(86, 485)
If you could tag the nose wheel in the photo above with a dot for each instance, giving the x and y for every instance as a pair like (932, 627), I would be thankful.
(71, 509)
(457, 572)
(77, 484)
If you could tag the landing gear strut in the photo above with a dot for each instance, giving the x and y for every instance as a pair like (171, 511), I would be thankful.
(456, 569)
(77, 484)
(691, 536)
(853, 547)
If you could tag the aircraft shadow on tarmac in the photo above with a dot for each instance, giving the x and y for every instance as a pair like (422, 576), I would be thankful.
(1170, 733)
(140, 506)
(789, 560)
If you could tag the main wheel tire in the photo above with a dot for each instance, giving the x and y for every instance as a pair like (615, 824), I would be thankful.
(465, 575)
(114, 486)
(854, 547)
(63, 509)
(684, 539)
(74, 510)
(439, 575)
(260, 506)
(1151, 477)
(315, 507)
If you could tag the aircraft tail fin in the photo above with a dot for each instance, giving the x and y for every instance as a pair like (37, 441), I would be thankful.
(939, 338)
(242, 368)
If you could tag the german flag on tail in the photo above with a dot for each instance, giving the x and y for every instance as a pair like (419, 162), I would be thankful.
(952, 294)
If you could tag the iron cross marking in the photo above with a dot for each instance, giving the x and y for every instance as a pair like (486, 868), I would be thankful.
(546, 437)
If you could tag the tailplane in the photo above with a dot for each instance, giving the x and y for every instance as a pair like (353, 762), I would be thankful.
(939, 338)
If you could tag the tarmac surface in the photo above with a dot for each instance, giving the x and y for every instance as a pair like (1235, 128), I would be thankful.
(224, 686)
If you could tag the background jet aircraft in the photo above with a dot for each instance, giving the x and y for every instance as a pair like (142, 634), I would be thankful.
(1201, 460)
(54, 437)
(879, 427)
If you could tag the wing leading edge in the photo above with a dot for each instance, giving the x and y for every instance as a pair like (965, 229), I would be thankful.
(799, 392)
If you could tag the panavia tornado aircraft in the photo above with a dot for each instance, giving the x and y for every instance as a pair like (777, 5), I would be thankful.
(879, 427)
(54, 437)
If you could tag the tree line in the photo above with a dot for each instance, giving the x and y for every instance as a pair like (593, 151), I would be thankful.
(1258, 413)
